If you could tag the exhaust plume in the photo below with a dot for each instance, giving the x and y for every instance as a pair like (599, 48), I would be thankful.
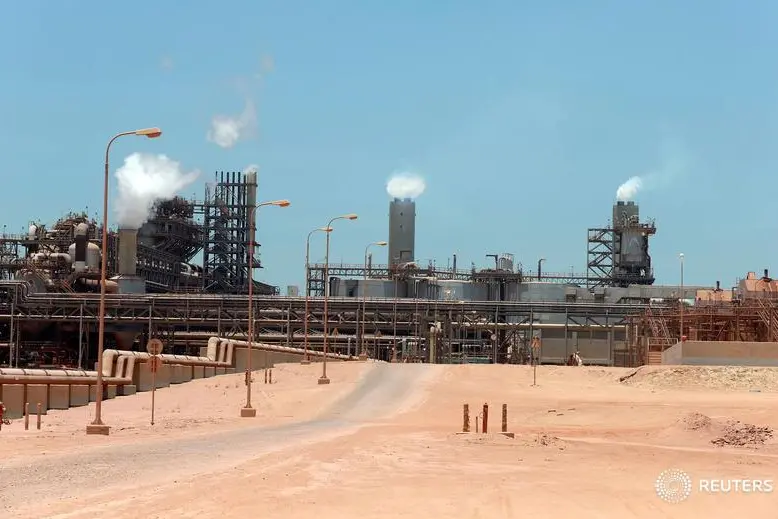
(405, 185)
(144, 179)
(227, 130)
(629, 189)
(251, 168)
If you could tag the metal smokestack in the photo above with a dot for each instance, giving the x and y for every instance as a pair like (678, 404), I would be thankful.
(250, 181)
(128, 250)
(402, 231)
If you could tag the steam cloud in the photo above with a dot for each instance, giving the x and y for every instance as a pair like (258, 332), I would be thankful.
(629, 189)
(251, 168)
(144, 179)
(405, 185)
(226, 130)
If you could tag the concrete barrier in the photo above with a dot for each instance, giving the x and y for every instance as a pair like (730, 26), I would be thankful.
(79, 396)
(722, 353)
(38, 394)
(59, 396)
(13, 399)
(126, 372)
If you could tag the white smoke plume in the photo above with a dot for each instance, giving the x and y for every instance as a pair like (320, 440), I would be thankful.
(405, 185)
(674, 162)
(251, 168)
(144, 179)
(629, 189)
(227, 130)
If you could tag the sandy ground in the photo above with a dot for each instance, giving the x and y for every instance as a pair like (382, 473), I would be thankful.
(382, 441)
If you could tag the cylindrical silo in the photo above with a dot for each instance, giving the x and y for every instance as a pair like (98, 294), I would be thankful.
(402, 231)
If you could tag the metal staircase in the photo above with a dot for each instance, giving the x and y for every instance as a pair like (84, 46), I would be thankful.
(660, 339)
(769, 317)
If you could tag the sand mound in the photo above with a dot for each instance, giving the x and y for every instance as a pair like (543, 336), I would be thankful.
(726, 433)
(539, 440)
(743, 435)
(695, 422)
(727, 378)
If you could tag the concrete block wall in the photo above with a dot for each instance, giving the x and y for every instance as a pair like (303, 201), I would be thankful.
(722, 353)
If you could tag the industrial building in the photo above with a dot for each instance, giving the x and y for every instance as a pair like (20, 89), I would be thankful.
(49, 291)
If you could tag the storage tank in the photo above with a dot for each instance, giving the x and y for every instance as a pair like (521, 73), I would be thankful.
(93, 255)
(402, 231)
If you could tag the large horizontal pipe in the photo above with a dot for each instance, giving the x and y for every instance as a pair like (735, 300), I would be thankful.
(283, 302)
(47, 372)
(183, 360)
(67, 381)
(285, 349)
(56, 376)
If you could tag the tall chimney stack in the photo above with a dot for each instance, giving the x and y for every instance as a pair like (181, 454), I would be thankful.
(402, 231)
(128, 251)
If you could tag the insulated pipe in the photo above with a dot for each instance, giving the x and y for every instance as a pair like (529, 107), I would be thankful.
(110, 286)
(182, 360)
(287, 349)
(47, 372)
(62, 380)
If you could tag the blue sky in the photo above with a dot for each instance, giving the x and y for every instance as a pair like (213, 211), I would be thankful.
(524, 118)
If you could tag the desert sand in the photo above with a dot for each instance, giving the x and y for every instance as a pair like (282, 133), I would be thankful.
(384, 440)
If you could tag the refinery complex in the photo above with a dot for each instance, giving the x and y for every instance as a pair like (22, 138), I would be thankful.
(183, 277)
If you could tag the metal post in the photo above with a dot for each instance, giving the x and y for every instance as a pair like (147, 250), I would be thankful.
(154, 386)
(680, 338)
(485, 423)
(12, 350)
(80, 335)
(97, 426)
(248, 411)
(466, 418)
(38, 421)
(324, 379)
(306, 359)
(505, 418)
(26, 416)
(361, 329)
(394, 318)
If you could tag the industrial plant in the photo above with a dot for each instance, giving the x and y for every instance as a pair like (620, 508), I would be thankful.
(183, 277)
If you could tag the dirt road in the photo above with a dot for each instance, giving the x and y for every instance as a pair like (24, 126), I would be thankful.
(587, 445)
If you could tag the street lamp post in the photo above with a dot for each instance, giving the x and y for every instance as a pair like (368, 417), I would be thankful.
(323, 379)
(97, 426)
(363, 352)
(306, 359)
(680, 257)
(248, 411)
